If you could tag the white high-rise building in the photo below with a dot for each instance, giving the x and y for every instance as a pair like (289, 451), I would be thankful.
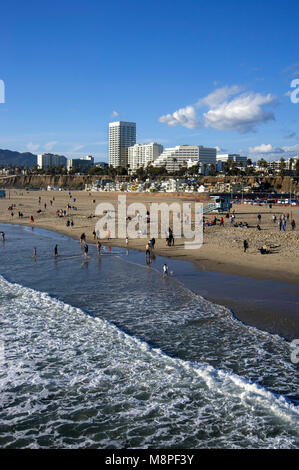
(46, 160)
(122, 135)
(185, 155)
(141, 155)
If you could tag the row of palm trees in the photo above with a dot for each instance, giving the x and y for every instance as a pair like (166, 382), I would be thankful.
(229, 168)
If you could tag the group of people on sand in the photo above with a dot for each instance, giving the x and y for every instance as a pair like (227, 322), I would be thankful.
(241, 225)
(69, 223)
(60, 212)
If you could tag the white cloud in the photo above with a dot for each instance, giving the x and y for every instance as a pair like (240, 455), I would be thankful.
(49, 145)
(230, 109)
(77, 147)
(32, 147)
(291, 149)
(220, 149)
(218, 96)
(243, 113)
(185, 117)
(272, 152)
(114, 114)
(265, 148)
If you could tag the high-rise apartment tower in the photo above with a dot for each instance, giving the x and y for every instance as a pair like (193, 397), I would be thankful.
(122, 135)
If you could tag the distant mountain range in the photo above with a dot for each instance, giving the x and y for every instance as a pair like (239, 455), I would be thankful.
(9, 157)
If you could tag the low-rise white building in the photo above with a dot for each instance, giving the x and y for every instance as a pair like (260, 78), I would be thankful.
(185, 155)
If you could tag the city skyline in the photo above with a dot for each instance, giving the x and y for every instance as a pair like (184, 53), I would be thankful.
(225, 84)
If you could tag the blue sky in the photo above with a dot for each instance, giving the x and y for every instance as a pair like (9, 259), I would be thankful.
(187, 72)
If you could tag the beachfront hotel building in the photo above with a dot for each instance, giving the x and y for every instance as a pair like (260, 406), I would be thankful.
(185, 155)
(122, 135)
(229, 157)
(46, 160)
(141, 155)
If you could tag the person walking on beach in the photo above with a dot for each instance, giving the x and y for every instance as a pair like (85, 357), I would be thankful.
(99, 246)
(274, 218)
(147, 250)
(259, 218)
(3, 236)
(279, 224)
(86, 251)
(127, 241)
(284, 225)
(165, 270)
(82, 238)
(293, 224)
(55, 251)
(245, 244)
(34, 252)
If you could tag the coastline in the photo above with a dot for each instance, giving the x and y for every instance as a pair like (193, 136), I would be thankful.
(268, 305)
(220, 262)
(222, 250)
(208, 262)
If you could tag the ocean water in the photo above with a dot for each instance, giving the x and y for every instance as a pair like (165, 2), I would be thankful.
(105, 353)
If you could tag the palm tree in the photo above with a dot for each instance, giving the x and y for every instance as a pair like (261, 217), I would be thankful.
(262, 163)
(291, 162)
(282, 166)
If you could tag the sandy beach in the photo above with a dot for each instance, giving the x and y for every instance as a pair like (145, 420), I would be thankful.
(222, 250)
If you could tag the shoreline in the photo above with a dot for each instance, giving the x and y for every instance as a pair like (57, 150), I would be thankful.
(206, 263)
(222, 250)
(219, 271)
(263, 306)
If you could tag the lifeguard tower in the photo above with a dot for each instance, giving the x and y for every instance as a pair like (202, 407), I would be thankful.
(220, 204)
